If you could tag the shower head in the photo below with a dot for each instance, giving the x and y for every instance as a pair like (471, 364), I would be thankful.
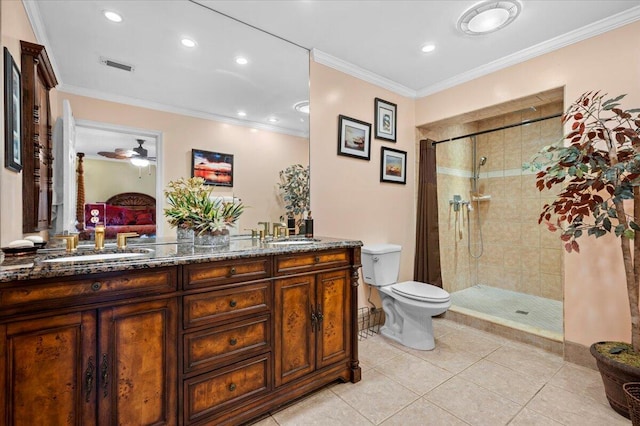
(483, 161)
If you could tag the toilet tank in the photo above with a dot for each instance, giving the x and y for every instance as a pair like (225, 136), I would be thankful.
(380, 264)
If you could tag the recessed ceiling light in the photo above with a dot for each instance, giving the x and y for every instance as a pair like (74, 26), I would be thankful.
(272, 120)
(253, 130)
(241, 60)
(302, 106)
(428, 48)
(112, 16)
(187, 42)
(489, 16)
(242, 114)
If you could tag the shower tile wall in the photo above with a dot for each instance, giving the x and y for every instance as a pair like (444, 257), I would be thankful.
(519, 254)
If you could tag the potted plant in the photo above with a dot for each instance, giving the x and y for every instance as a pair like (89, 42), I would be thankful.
(192, 207)
(597, 168)
(294, 188)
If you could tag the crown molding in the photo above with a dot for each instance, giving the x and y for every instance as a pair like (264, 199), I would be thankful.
(360, 73)
(81, 91)
(588, 31)
(37, 25)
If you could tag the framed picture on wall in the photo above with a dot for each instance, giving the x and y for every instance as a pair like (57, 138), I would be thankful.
(393, 166)
(354, 138)
(385, 120)
(215, 168)
(12, 111)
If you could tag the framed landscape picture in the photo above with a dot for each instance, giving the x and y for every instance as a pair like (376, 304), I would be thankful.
(12, 111)
(385, 120)
(215, 168)
(354, 138)
(393, 166)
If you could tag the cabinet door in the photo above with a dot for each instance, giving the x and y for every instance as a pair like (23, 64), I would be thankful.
(294, 335)
(137, 364)
(48, 369)
(332, 309)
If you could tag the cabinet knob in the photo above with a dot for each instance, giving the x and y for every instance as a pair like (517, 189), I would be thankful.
(233, 303)
(232, 271)
(232, 387)
(96, 286)
(316, 259)
(233, 341)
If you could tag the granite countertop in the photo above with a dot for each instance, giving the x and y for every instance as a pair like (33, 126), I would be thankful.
(152, 254)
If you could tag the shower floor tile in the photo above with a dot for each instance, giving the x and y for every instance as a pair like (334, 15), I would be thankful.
(532, 311)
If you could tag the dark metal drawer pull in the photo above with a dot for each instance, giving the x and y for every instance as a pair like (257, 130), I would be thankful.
(88, 381)
(96, 286)
(232, 387)
(232, 271)
(233, 341)
(233, 303)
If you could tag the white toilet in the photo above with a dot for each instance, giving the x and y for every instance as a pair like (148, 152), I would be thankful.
(408, 306)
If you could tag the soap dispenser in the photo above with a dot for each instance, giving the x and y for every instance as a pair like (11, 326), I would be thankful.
(308, 226)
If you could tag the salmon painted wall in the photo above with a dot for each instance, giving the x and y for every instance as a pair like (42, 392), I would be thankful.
(258, 156)
(595, 300)
(347, 198)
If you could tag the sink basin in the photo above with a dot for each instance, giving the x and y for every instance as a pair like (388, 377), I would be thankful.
(79, 257)
(291, 242)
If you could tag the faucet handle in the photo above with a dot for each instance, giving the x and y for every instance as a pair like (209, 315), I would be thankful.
(121, 238)
(266, 227)
(72, 241)
(254, 232)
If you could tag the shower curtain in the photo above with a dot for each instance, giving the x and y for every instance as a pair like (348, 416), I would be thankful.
(427, 259)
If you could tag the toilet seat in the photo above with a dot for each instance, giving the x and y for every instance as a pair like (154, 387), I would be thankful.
(420, 291)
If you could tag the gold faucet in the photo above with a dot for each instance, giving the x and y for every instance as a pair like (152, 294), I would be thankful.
(121, 238)
(277, 227)
(72, 241)
(99, 236)
(265, 232)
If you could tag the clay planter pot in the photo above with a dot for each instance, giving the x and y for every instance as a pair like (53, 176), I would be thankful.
(614, 375)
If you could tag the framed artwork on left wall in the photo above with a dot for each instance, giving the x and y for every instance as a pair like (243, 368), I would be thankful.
(385, 120)
(12, 111)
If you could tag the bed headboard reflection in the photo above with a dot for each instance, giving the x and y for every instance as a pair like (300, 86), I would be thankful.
(125, 212)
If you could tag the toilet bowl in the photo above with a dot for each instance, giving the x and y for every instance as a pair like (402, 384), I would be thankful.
(408, 306)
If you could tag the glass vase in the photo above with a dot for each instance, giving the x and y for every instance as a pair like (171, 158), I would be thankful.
(212, 239)
(184, 235)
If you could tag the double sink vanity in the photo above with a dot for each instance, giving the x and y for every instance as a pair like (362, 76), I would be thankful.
(167, 333)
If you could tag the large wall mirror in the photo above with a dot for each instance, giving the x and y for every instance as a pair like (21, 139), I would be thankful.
(138, 80)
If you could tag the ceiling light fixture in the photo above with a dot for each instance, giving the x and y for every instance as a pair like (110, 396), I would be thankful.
(489, 16)
(242, 114)
(302, 106)
(241, 61)
(187, 42)
(139, 162)
(428, 48)
(112, 16)
(272, 120)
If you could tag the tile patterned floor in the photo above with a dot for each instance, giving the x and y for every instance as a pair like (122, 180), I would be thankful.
(470, 378)
(541, 313)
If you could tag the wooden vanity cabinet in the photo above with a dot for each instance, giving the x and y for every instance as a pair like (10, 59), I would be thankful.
(101, 363)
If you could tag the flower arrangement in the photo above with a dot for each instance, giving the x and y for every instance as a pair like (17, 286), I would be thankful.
(294, 187)
(191, 207)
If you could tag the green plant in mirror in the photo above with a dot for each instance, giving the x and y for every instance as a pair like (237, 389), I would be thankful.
(294, 188)
(596, 167)
(191, 206)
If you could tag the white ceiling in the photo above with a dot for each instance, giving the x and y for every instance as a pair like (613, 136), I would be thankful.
(378, 41)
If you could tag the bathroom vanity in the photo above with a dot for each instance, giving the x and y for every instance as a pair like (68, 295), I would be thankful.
(177, 334)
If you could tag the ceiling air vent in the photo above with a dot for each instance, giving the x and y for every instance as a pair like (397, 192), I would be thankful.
(115, 64)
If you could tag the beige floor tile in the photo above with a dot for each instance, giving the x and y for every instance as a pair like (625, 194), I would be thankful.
(471, 340)
(414, 373)
(322, 408)
(375, 350)
(472, 403)
(376, 396)
(580, 380)
(528, 417)
(527, 360)
(448, 357)
(508, 383)
(572, 409)
(443, 326)
(422, 413)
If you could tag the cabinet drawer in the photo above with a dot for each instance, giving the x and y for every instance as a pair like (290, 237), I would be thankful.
(219, 305)
(68, 291)
(291, 264)
(224, 272)
(219, 390)
(205, 348)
